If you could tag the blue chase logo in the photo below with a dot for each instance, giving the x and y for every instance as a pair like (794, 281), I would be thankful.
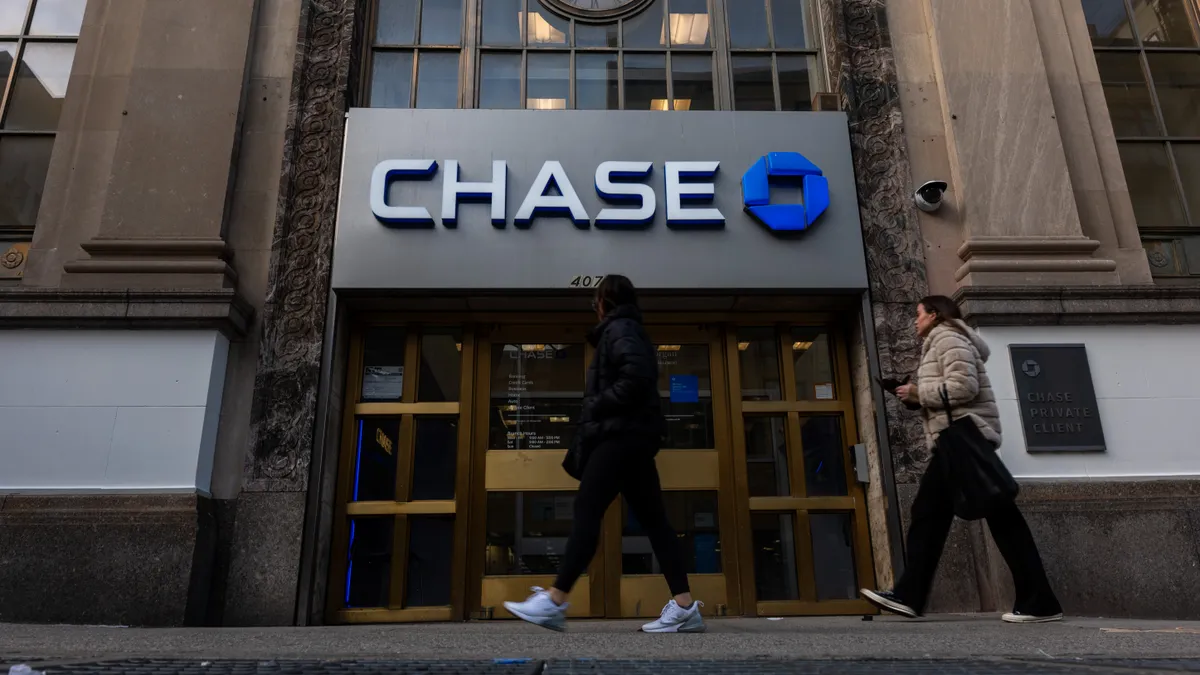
(785, 168)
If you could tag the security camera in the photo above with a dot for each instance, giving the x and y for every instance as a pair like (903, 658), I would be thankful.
(929, 195)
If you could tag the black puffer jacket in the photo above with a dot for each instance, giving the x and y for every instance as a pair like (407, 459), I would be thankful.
(621, 395)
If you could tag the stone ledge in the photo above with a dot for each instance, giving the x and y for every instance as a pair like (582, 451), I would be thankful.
(1079, 305)
(221, 309)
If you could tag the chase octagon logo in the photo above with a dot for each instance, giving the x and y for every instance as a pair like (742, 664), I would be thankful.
(785, 168)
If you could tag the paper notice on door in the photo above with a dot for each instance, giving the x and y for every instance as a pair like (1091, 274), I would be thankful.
(383, 383)
(824, 391)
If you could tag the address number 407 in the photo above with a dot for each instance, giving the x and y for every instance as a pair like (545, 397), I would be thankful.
(585, 281)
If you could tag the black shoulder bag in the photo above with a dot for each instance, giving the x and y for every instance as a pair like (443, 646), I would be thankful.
(978, 479)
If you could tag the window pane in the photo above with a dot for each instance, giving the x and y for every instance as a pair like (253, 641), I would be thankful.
(693, 516)
(1187, 158)
(766, 457)
(545, 28)
(1128, 96)
(685, 386)
(1151, 185)
(383, 364)
(645, 82)
(824, 463)
(833, 556)
(40, 86)
(689, 23)
(500, 81)
(1165, 23)
(589, 35)
(693, 82)
(502, 22)
(1177, 82)
(758, 356)
(549, 81)
(748, 23)
(795, 82)
(375, 459)
(812, 361)
(647, 29)
(1108, 23)
(369, 569)
(12, 16)
(441, 364)
(8, 55)
(537, 393)
(441, 22)
(57, 17)
(527, 531)
(596, 82)
(437, 80)
(794, 23)
(773, 537)
(752, 88)
(24, 161)
(430, 552)
(396, 22)
(391, 79)
(435, 457)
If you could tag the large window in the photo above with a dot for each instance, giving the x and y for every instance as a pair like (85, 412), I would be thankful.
(1148, 53)
(37, 47)
(415, 47)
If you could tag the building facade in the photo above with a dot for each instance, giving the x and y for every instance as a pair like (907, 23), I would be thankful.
(294, 296)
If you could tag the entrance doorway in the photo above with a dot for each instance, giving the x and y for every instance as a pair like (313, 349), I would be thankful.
(452, 498)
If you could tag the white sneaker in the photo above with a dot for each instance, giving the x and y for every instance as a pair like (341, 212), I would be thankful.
(675, 619)
(539, 610)
(1019, 617)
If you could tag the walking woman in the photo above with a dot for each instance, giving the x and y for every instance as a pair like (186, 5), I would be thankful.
(953, 356)
(613, 453)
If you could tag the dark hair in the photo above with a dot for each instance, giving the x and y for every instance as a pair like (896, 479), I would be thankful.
(615, 290)
(941, 307)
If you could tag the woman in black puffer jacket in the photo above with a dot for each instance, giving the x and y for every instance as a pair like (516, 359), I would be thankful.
(613, 453)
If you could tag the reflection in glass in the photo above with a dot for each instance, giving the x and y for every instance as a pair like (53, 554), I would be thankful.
(1187, 158)
(824, 459)
(369, 565)
(434, 458)
(549, 81)
(396, 22)
(12, 16)
(441, 22)
(527, 531)
(693, 82)
(537, 392)
(383, 364)
(1108, 23)
(437, 80)
(24, 161)
(596, 84)
(1152, 188)
(592, 35)
(793, 22)
(500, 81)
(391, 79)
(689, 23)
(693, 516)
(747, 23)
(545, 28)
(773, 537)
(795, 82)
(758, 356)
(57, 17)
(441, 366)
(812, 362)
(647, 29)
(376, 447)
(685, 386)
(767, 457)
(1127, 94)
(502, 22)
(40, 87)
(752, 87)
(1165, 23)
(1177, 83)
(430, 552)
(645, 82)
(833, 556)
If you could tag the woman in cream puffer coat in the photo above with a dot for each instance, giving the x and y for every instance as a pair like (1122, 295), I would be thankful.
(953, 356)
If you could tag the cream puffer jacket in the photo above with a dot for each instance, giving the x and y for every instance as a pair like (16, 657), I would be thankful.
(954, 355)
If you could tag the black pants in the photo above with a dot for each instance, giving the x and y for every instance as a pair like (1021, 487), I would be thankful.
(932, 515)
(627, 468)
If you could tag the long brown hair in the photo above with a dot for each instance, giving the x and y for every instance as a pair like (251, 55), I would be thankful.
(615, 290)
(941, 307)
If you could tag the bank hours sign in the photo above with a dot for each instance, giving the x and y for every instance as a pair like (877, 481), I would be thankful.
(1056, 398)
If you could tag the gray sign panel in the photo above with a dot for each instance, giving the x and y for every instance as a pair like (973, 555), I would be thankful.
(1056, 398)
(484, 247)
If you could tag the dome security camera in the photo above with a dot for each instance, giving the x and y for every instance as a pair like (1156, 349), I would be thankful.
(929, 196)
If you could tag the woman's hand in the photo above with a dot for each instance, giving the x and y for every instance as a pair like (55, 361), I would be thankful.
(905, 391)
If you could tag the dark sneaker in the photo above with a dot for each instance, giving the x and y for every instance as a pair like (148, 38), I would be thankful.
(887, 600)
(1021, 617)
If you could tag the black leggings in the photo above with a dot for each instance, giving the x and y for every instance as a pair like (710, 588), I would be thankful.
(627, 468)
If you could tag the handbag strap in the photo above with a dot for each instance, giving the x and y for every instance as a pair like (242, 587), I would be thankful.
(946, 404)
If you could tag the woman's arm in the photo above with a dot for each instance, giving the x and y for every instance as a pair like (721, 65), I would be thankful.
(959, 372)
(634, 383)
